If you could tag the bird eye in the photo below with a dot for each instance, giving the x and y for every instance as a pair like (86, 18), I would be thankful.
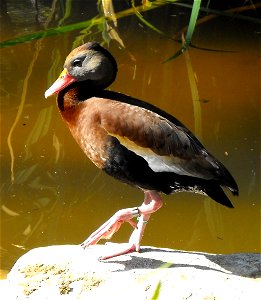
(77, 63)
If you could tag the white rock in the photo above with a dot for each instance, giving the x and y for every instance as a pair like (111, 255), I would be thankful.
(69, 272)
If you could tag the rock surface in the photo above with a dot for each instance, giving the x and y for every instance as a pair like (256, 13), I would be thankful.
(69, 272)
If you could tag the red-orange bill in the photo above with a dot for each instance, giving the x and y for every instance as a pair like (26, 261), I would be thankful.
(63, 81)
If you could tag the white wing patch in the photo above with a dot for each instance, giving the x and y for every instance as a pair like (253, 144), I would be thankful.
(164, 163)
(156, 162)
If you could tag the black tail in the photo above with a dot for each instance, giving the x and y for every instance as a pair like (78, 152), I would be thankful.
(227, 180)
(215, 192)
(213, 188)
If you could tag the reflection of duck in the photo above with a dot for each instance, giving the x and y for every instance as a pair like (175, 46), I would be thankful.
(132, 141)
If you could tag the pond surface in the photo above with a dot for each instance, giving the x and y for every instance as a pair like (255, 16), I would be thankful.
(52, 194)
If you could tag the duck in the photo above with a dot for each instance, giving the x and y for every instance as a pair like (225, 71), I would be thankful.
(133, 141)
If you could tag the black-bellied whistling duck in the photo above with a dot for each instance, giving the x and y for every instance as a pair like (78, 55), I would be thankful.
(132, 141)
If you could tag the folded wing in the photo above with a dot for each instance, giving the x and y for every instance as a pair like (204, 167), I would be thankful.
(165, 146)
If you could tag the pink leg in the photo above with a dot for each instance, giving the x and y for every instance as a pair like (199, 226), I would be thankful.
(152, 202)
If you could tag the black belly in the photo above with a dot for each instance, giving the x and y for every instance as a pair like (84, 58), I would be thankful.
(130, 168)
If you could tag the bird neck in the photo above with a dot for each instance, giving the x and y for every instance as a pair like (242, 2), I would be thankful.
(76, 93)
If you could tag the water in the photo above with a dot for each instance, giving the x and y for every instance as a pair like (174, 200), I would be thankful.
(51, 193)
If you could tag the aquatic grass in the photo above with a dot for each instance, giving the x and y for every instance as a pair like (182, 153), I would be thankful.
(46, 33)
(156, 293)
(67, 13)
(107, 8)
(71, 27)
(195, 96)
(21, 108)
(153, 276)
(109, 15)
(232, 13)
(190, 31)
(41, 127)
(143, 20)
(109, 30)
(212, 14)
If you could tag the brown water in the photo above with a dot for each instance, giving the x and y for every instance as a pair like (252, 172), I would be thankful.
(51, 193)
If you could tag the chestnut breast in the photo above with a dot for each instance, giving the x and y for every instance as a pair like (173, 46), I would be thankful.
(92, 121)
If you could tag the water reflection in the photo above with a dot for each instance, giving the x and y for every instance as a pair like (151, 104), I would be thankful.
(51, 193)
